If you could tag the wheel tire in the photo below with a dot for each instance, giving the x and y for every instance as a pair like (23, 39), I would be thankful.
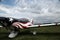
(34, 33)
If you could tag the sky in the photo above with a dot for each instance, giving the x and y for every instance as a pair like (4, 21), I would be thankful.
(41, 11)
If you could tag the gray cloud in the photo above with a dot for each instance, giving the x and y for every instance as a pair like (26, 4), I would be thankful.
(41, 11)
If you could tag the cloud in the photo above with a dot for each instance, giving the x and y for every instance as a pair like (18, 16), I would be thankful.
(39, 10)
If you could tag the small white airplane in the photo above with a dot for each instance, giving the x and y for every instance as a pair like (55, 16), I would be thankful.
(22, 23)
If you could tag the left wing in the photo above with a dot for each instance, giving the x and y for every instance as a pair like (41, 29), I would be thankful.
(44, 25)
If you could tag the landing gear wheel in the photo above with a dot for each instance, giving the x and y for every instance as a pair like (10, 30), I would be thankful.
(34, 32)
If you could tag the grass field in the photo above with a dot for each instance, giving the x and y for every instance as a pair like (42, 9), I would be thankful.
(43, 33)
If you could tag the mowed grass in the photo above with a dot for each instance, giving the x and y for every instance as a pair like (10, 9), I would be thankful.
(43, 33)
